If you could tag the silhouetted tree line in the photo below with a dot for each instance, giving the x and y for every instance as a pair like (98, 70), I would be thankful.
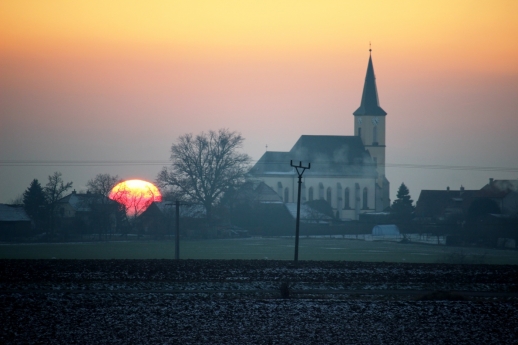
(208, 169)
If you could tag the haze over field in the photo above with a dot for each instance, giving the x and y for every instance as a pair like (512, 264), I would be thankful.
(88, 87)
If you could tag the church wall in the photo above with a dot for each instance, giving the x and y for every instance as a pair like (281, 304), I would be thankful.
(367, 133)
(280, 183)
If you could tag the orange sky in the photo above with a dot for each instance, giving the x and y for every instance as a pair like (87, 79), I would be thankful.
(135, 75)
(474, 31)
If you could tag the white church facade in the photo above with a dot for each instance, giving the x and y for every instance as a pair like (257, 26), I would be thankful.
(346, 171)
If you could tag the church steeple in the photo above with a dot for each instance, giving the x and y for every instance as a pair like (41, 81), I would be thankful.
(370, 104)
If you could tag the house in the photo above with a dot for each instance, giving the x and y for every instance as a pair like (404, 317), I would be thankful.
(253, 191)
(258, 208)
(14, 221)
(346, 171)
(86, 213)
(160, 217)
(446, 205)
(486, 216)
(504, 193)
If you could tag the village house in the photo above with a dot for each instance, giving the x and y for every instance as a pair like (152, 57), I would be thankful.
(14, 221)
(86, 213)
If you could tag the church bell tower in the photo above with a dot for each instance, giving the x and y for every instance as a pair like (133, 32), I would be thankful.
(370, 124)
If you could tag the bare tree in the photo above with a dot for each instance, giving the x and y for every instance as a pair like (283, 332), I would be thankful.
(54, 190)
(204, 166)
(102, 184)
(134, 201)
(17, 200)
(103, 211)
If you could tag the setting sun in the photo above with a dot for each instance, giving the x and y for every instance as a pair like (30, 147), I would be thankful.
(135, 195)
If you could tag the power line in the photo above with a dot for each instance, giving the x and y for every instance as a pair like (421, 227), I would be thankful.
(80, 162)
(58, 163)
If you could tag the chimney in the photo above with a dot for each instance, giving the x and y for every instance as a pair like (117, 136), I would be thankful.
(491, 180)
(462, 188)
(74, 191)
(448, 188)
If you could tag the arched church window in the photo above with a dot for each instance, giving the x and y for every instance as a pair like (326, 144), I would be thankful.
(375, 135)
(338, 196)
(365, 198)
(286, 195)
(303, 192)
(310, 194)
(360, 132)
(321, 191)
(329, 195)
(279, 188)
(357, 197)
(347, 205)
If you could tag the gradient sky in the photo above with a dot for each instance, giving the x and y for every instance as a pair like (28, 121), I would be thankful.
(90, 87)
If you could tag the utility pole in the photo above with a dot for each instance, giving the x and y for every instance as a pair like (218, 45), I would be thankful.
(177, 236)
(297, 226)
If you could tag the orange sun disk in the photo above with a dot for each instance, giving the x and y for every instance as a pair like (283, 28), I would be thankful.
(135, 195)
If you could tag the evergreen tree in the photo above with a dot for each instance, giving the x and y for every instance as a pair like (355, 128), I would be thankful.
(34, 202)
(402, 207)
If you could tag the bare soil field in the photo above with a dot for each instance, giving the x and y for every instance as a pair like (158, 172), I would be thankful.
(256, 302)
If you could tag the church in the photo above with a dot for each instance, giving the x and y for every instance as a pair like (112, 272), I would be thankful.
(346, 171)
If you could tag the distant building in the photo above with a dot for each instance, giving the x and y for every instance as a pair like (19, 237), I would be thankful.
(86, 212)
(160, 217)
(445, 205)
(14, 221)
(504, 193)
(346, 171)
(253, 191)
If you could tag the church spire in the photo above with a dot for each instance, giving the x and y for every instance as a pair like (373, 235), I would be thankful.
(370, 104)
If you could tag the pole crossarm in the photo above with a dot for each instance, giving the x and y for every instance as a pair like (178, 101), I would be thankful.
(297, 226)
(300, 166)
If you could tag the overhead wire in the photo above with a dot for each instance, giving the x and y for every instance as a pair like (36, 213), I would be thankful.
(63, 163)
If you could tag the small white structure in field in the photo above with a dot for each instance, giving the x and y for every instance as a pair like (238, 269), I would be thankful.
(385, 230)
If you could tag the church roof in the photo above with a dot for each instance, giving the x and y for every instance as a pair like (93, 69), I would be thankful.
(272, 161)
(370, 103)
(330, 155)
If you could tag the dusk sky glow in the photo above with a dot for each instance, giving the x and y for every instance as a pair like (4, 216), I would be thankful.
(90, 87)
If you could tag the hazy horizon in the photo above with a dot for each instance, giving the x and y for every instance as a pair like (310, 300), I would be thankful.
(92, 87)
